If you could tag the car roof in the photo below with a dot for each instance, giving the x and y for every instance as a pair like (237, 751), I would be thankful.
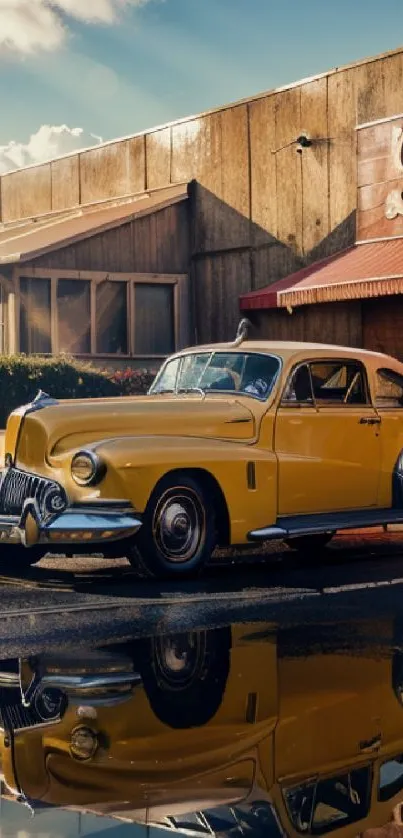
(290, 349)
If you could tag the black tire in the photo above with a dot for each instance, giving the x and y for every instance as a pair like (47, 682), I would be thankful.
(185, 675)
(310, 543)
(17, 558)
(178, 533)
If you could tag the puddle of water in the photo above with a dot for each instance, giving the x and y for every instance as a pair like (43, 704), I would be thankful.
(249, 729)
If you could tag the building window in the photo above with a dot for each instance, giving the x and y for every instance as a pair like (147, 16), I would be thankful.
(111, 318)
(83, 313)
(35, 328)
(154, 314)
(74, 316)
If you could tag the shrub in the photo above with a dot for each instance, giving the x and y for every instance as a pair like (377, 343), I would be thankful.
(131, 382)
(21, 376)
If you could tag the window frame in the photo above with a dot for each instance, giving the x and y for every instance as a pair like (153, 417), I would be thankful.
(316, 779)
(180, 283)
(333, 405)
(377, 373)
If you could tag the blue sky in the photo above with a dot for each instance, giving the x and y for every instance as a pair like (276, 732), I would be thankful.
(114, 67)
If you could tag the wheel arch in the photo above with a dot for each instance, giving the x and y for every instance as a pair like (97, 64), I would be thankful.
(211, 484)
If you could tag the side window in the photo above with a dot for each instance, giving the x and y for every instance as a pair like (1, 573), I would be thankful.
(338, 382)
(388, 389)
(298, 389)
(390, 778)
(323, 804)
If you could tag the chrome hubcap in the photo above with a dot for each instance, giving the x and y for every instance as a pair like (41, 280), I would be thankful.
(179, 526)
(179, 658)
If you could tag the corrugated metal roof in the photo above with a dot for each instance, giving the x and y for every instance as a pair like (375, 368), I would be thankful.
(21, 243)
(373, 269)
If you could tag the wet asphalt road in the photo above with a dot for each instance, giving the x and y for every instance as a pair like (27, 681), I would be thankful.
(91, 601)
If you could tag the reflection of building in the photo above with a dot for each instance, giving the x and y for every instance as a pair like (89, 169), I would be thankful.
(99, 250)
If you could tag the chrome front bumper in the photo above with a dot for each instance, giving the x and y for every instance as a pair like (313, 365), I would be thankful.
(79, 525)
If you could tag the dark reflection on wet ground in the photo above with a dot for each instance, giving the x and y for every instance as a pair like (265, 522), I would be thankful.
(254, 728)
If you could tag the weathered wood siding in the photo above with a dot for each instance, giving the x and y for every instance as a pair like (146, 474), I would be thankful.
(256, 201)
(339, 323)
(382, 325)
(157, 243)
(375, 324)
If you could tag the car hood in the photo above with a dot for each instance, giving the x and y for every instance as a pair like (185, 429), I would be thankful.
(72, 424)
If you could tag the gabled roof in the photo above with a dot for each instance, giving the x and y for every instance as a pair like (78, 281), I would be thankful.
(21, 242)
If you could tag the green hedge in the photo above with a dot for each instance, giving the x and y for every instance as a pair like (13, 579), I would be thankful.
(21, 376)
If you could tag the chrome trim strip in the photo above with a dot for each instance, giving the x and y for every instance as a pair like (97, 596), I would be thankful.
(267, 533)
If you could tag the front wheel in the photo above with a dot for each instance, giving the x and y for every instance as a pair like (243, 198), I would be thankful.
(185, 675)
(178, 533)
(310, 543)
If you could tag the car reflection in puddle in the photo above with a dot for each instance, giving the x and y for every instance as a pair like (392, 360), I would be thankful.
(246, 730)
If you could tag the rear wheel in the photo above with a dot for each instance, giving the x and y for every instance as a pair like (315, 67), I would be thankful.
(178, 533)
(310, 543)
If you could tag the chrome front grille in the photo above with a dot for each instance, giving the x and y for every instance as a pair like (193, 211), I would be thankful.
(17, 486)
(13, 716)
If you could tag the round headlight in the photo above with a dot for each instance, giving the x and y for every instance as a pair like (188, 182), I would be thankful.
(87, 469)
(83, 743)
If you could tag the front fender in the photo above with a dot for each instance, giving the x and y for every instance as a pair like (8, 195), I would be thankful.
(135, 466)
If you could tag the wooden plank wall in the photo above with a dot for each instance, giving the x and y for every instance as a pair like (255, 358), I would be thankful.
(339, 323)
(157, 243)
(258, 215)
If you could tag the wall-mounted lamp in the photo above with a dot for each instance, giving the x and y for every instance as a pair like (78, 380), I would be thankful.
(303, 141)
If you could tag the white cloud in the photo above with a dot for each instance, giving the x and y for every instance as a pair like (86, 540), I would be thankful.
(49, 142)
(27, 26)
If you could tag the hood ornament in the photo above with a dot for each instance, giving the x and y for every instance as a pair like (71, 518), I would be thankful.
(41, 400)
(41, 396)
(242, 332)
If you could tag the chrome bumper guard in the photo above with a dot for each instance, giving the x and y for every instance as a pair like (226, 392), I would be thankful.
(95, 524)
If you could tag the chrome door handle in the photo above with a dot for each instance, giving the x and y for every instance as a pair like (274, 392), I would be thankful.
(370, 420)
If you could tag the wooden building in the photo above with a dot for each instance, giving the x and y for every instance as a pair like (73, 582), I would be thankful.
(353, 297)
(136, 247)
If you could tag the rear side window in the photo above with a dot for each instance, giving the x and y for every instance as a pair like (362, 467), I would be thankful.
(388, 388)
(336, 382)
(327, 383)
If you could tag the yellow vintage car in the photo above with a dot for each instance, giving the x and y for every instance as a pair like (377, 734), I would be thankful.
(234, 443)
(292, 743)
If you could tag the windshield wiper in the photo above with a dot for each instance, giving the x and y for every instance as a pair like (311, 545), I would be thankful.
(160, 392)
(191, 390)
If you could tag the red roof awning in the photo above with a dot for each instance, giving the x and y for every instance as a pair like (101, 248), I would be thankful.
(373, 269)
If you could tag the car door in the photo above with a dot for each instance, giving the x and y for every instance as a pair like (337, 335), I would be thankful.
(327, 439)
(387, 386)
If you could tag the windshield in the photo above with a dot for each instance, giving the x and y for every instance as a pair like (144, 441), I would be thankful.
(237, 372)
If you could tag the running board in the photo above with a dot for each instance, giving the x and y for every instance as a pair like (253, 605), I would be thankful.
(291, 526)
